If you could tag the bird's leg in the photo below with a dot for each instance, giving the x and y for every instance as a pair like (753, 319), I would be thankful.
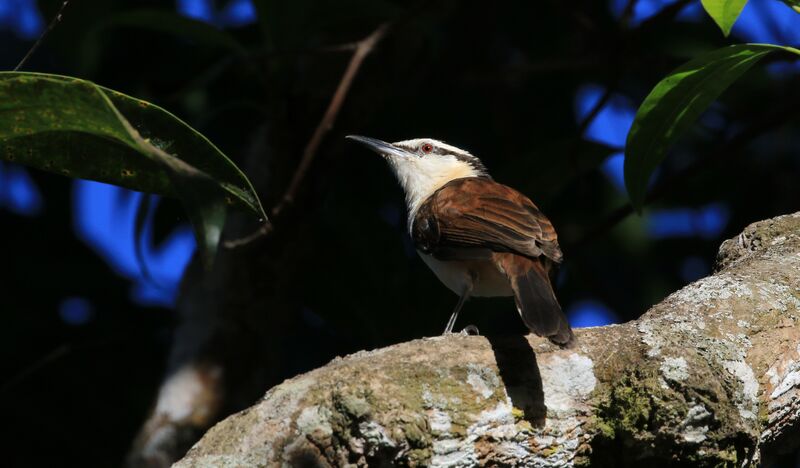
(461, 300)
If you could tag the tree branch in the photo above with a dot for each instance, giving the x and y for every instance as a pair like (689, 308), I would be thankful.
(361, 49)
(711, 375)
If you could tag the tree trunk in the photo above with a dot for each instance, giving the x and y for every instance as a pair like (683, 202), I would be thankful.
(710, 376)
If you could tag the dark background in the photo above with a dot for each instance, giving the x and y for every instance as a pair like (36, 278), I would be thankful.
(543, 92)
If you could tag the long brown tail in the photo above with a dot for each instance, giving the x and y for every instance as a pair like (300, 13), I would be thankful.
(536, 301)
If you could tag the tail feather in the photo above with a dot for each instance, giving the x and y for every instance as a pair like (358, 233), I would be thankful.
(536, 301)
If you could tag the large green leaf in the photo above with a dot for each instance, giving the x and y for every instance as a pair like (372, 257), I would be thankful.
(724, 12)
(676, 102)
(79, 129)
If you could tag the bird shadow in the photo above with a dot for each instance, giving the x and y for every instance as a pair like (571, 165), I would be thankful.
(519, 371)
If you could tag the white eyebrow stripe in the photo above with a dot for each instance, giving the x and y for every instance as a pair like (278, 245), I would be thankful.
(415, 143)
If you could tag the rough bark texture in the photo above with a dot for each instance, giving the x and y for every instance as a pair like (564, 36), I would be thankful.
(708, 377)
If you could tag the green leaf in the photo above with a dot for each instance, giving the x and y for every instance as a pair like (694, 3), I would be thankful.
(676, 102)
(724, 12)
(79, 129)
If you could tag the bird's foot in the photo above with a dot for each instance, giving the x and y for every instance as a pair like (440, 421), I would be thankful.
(470, 330)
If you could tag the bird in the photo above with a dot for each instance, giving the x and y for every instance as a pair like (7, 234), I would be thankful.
(481, 238)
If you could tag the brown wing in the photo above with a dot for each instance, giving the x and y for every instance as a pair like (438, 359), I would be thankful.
(480, 215)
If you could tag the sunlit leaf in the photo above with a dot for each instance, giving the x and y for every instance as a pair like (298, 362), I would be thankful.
(676, 102)
(724, 12)
(78, 129)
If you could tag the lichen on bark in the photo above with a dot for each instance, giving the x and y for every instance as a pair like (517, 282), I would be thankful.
(708, 377)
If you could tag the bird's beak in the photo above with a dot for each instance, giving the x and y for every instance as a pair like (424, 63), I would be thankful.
(378, 146)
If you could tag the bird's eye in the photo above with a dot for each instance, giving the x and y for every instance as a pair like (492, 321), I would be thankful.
(426, 148)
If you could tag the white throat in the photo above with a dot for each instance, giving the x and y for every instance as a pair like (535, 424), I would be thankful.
(420, 177)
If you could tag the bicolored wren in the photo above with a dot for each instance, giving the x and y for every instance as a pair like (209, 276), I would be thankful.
(480, 237)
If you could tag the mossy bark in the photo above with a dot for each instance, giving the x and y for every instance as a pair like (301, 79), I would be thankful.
(708, 377)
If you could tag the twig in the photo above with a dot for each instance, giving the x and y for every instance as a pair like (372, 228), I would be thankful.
(262, 231)
(52, 356)
(56, 19)
(584, 124)
(333, 48)
(346, 47)
(362, 49)
(595, 110)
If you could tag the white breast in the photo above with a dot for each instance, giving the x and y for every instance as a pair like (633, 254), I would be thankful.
(420, 177)
(489, 280)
